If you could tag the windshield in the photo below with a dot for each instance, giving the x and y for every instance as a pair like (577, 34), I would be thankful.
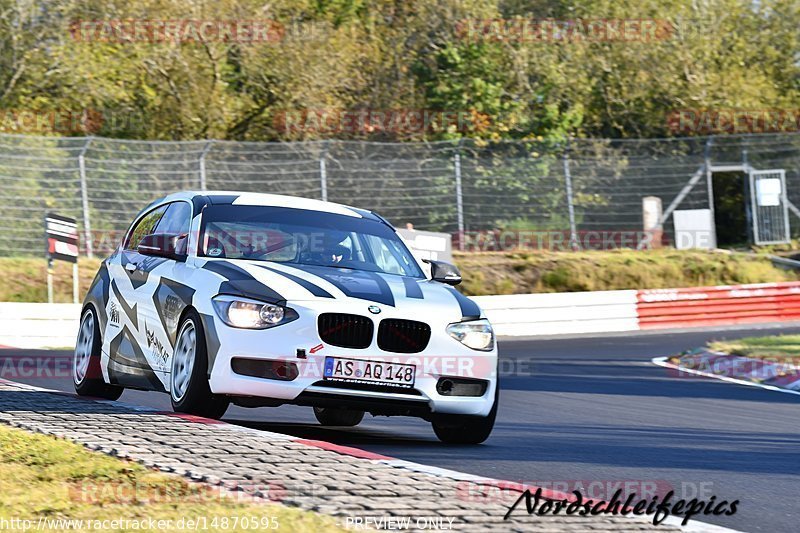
(303, 237)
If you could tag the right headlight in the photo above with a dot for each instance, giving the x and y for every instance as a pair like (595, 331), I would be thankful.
(475, 334)
(251, 314)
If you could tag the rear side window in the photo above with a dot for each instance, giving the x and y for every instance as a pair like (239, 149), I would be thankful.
(145, 226)
(176, 220)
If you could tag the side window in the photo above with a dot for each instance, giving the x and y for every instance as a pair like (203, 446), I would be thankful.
(384, 258)
(145, 227)
(176, 220)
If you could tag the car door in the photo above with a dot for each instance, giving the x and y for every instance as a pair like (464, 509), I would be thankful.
(125, 338)
(165, 294)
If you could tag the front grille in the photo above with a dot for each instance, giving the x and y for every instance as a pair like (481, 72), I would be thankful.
(345, 331)
(403, 336)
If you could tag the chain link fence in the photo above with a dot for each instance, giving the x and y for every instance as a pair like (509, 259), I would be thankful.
(467, 188)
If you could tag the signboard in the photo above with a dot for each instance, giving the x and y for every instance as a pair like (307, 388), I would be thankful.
(768, 192)
(428, 244)
(61, 238)
(61, 234)
(694, 228)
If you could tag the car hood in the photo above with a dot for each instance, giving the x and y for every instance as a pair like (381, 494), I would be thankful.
(281, 282)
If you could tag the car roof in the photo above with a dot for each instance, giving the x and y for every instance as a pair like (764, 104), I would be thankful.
(268, 200)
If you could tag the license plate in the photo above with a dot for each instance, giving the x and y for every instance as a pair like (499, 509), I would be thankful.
(370, 372)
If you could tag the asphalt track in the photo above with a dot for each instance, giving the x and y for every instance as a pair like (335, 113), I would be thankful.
(581, 410)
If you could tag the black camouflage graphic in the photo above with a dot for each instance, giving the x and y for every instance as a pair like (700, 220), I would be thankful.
(170, 300)
(212, 340)
(128, 365)
(144, 265)
(469, 309)
(316, 290)
(129, 311)
(239, 282)
(98, 293)
(413, 290)
(354, 283)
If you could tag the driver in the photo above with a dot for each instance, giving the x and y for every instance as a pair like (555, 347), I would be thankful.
(332, 250)
(337, 254)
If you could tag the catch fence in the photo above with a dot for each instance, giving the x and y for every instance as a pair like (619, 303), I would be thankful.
(568, 195)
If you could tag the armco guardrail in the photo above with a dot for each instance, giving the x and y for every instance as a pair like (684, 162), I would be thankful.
(560, 313)
(712, 306)
(34, 325)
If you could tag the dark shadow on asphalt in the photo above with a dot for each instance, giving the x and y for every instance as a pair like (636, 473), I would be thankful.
(686, 388)
(610, 446)
(621, 377)
(24, 352)
(694, 449)
(683, 450)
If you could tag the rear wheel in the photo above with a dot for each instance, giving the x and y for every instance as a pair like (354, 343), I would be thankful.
(87, 375)
(465, 429)
(189, 389)
(330, 416)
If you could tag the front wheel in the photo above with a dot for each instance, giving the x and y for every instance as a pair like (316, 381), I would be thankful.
(189, 389)
(328, 416)
(86, 373)
(466, 429)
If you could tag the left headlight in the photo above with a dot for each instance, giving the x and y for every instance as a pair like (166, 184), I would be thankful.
(475, 334)
(251, 314)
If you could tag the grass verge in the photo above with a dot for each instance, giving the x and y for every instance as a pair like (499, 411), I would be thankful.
(778, 348)
(531, 272)
(42, 477)
(494, 272)
(27, 279)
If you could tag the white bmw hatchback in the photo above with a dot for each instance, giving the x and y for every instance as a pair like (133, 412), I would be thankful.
(264, 300)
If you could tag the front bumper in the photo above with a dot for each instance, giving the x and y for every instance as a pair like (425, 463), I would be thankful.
(443, 357)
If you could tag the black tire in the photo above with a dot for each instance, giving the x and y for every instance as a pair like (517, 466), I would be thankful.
(87, 376)
(465, 429)
(331, 416)
(193, 396)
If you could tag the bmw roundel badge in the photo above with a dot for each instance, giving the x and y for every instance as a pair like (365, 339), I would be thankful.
(374, 309)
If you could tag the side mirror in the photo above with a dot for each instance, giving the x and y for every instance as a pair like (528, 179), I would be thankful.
(444, 272)
(164, 245)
